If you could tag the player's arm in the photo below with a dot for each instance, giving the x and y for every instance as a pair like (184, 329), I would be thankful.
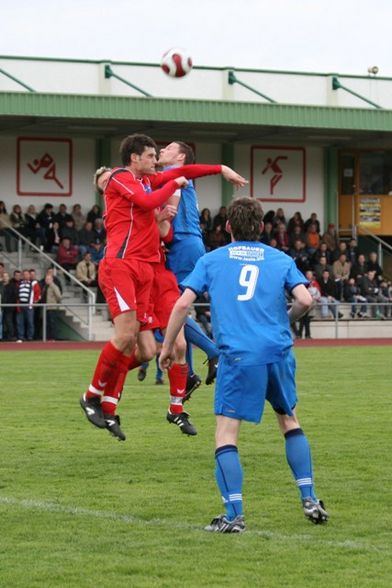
(177, 319)
(133, 191)
(301, 304)
(198, 170)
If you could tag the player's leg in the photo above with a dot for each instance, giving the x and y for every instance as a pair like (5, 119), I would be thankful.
(112, 364)
(177, 375)
(229, 477)
(194, 335)
(282, 395)
(239, 395)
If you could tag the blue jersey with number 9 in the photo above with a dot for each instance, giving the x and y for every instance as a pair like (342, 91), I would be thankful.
(247, 284)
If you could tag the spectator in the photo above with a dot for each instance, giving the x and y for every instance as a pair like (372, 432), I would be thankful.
(386, 292)
(321, 266)
(51, 294)
(96, 249)
(279, 217)
(314, 291)
(45, 220)
(85, 237)
(86, 273)
(94, 213)
(341, 272)
(10, 296)
(322, 251)
(330, 238)
(370, 289)
(373, 265)
(312, 239)
(328, 297)
(296, 234)
(295, 221)
(267, 233)
(4, 230)
(99, 230)
(342, 248)
(18, 222)
(36, 298)
(359, 269)
(269, 217)
(352, 251)
(300, 256)
(312, 219)
(32, 231)
(216, 238)
(78, 216)
(220, 218)
(205, 224)
(282, 238)
(67, 256)
(52, 272)
(351, 293)
(25, 314)
(53, 238)
(62, 216)
(68, 231)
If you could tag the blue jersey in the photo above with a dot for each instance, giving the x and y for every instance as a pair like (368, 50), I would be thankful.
(187, 222)
(247, 283)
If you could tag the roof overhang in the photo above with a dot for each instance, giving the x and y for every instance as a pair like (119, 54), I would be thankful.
(198, 120)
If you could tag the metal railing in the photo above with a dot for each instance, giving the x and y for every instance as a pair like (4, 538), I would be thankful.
(51, 262)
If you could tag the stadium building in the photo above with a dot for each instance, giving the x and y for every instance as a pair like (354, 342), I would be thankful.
(307, 141)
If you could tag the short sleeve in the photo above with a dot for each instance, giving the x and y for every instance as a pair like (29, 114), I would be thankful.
(294, 277)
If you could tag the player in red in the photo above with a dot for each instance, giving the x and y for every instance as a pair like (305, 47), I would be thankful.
(126, 273)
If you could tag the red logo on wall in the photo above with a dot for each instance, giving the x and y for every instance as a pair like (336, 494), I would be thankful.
(278, 173)
(44, 167)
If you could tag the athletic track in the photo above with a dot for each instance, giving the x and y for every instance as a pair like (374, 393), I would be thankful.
(76, 345)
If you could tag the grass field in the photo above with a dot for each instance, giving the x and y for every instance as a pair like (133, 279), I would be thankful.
(79, 509)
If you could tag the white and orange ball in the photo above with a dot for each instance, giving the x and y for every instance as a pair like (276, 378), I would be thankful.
(176, 62)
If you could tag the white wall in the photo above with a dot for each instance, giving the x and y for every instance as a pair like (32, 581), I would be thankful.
(209, 188)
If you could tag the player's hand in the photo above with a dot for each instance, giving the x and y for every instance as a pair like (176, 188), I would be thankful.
(167, 213)
(166, 358)
(231, 176)
(181, 182)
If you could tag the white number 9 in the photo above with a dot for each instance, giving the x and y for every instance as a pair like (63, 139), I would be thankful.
(248, 279)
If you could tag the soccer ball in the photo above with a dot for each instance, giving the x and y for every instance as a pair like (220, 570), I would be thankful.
(176, 62)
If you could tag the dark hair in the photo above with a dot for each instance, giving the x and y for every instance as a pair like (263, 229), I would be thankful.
(245, 216)
(135, 144)
(187, 151)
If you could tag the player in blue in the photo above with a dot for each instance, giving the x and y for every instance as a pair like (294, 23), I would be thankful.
(247, 282)
(184, 250)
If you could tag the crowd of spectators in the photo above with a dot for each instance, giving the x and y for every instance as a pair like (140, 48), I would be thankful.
(336, 269)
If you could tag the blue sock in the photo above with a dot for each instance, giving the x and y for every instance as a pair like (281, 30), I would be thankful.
(145, 365)
(300, 461)
(159, 372)
(195, 335)
(228, 473)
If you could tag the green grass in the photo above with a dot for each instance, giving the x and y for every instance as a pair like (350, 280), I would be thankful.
(79, 509)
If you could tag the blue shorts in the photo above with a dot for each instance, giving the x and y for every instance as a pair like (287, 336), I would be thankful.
(241, 390)
(183, 255)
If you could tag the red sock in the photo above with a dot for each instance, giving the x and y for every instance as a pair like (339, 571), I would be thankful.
(106, 371)
(178, 374)
(112, 394)
(133, 362)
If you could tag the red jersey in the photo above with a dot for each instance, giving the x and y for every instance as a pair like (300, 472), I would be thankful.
(132, 231)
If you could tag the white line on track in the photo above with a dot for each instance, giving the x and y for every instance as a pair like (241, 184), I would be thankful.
(54, 507)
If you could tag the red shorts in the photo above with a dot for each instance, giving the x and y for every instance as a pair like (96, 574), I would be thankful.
(126, 285)
(164, 295)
